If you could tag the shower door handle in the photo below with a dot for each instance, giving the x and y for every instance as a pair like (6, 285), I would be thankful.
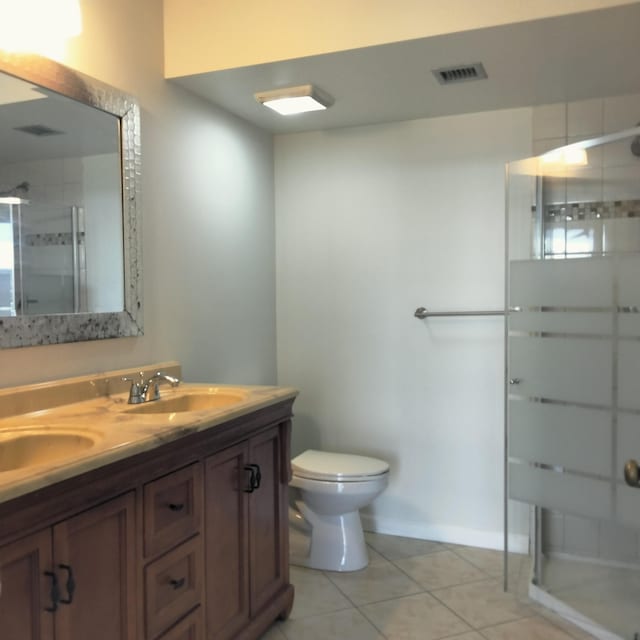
(632, 474)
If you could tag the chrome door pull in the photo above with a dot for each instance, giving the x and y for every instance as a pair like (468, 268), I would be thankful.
(632, 474)
(515, 380)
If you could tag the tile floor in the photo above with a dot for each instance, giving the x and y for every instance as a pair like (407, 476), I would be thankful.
(419, 590)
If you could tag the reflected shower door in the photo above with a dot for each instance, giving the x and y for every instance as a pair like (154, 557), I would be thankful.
(53, 261)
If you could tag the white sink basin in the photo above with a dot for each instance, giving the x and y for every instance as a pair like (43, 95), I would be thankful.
(217, 398)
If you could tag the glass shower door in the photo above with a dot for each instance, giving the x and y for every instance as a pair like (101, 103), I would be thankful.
(573, 392)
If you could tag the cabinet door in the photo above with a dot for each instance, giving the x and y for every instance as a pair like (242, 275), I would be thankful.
(226, 544)
(190, 628)
(25, 590)
(98, 549)
(267, 520)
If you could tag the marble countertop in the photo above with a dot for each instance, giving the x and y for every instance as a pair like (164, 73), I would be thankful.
(120, 430)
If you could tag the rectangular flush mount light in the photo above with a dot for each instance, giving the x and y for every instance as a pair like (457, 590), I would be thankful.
(292, 100)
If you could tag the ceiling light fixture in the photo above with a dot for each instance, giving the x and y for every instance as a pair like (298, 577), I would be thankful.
(292, 100)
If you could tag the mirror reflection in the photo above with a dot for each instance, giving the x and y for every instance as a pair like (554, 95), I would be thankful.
(61, 224)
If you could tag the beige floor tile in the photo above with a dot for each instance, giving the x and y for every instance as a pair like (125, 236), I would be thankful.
(374, 556)
(419, 617)
(315, 594)
(491, 561)
(396, 547)
(342, 625)
(483, 604)
(470, 635)
(442, 569)
(380, 581)
(526, 629)
(274, 633)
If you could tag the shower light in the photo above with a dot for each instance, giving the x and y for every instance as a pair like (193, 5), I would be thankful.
(574, 156)
(292, 100)
(12, 200)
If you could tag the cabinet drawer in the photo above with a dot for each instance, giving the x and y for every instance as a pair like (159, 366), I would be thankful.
(172, 509)
(191, 628)
(173, 586)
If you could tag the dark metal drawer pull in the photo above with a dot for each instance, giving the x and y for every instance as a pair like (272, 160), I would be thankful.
(258, 475)
(176, 506)
(71, 583)
(252, 479)
(176, 584)
(55, 592)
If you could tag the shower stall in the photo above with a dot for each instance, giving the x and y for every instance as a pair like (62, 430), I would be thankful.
(573, 376)
(42, 258)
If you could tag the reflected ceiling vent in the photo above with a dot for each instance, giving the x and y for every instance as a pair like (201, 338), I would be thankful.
(39, 130)
(463, 73)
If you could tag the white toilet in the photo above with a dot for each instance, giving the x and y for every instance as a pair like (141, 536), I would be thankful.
(328, 489)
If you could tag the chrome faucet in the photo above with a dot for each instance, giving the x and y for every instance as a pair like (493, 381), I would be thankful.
(147, 390)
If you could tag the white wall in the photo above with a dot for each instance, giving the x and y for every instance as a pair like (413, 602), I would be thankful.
(371, 223)
(208, 221)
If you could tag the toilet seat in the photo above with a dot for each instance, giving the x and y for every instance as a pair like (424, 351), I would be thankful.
(337, 467)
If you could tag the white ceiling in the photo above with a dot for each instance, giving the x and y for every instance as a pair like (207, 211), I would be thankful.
(84, 130)
(592, 54)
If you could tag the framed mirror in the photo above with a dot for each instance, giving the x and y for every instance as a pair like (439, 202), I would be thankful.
(70, 223)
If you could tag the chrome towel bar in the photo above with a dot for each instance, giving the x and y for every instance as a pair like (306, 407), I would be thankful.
(423, 313)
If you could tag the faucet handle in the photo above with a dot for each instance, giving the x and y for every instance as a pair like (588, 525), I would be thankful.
(135, 392)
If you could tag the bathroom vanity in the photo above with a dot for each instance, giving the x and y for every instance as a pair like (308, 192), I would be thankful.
(172, 525)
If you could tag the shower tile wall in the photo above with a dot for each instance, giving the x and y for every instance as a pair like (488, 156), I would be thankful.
(553, 126)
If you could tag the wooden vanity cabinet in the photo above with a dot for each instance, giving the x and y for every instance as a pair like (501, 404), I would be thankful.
(246, 543)
(188, 541)
(97, 550)
(24, 594)
(73, 581)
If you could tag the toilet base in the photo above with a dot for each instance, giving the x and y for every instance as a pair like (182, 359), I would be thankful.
(337, 544)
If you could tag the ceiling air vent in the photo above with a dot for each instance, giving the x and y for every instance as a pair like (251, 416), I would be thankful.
(39, 130)
(464, 73)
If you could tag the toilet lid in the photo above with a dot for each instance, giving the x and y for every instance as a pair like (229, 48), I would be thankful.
(322, 465)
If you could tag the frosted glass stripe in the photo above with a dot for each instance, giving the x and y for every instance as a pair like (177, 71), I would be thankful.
(567, 283)
(567, 369)
(628, 326)
(628, 441)
(628, 505)
(562, 322)
(629, 375)
(565, 436)
(628, 281)
(562, 491)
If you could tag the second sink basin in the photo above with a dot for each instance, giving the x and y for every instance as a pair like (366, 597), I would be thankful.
(22, 448)
(212, 399)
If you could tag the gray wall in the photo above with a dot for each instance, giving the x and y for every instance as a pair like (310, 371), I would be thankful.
(208, 221)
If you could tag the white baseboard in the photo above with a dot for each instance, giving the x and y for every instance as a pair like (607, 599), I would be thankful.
(518, 543)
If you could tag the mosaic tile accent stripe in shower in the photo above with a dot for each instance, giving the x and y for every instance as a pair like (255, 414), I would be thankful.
(49, 239)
